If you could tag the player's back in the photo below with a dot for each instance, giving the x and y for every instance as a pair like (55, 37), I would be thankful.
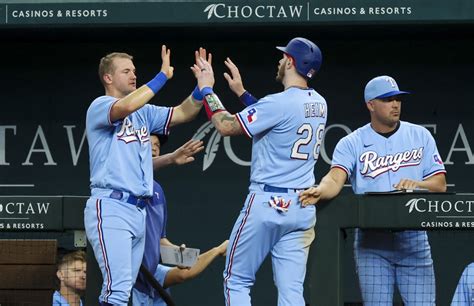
(289, 127)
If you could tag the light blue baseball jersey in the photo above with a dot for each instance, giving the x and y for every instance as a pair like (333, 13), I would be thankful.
(375, 163)
(464, 295)
(286, 137)
(287, 129)
(59, 300)
(120, 154)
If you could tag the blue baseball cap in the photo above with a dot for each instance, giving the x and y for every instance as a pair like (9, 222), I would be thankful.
(382, 87)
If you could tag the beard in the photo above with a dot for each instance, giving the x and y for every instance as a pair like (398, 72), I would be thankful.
(281, 72)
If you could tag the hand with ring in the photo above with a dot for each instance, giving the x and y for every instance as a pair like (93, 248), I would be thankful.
(202, 69)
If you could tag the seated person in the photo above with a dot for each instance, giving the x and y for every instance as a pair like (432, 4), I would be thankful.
(72, 277)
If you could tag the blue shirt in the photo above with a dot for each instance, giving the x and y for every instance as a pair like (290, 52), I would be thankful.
(287, 130)
(156, 217)
(140, 298)
(59, 300)
(375, 163)
(464, 295)
(119, 152)
(160, 275)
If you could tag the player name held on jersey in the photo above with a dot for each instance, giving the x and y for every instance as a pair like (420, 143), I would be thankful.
(315, 110)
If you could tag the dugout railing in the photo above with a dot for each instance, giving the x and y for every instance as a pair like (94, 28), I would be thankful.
(330, 277)
(451, 214)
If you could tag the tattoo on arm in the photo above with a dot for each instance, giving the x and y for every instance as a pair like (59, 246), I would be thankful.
(227, 117)
(227, 124)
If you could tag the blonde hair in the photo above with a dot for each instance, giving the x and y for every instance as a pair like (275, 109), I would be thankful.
(107, 63)
(72, 257)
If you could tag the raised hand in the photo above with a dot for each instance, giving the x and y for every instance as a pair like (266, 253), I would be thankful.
(234, 79)
(202, 53)
(185, 153)
(203, 72)
(166, 67)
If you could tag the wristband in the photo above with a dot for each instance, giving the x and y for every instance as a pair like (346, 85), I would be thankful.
(206, 91)
(157, 82)
(247, 99)
(197, 95)
(212, 104)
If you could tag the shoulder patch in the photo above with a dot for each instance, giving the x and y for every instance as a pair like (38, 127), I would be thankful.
(251, 115)
(437, 159)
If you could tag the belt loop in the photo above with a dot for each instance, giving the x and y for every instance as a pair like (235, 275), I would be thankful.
(140, 202)
(268, 188)
(116, 194)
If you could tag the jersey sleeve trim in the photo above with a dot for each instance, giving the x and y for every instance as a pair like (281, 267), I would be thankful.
(110, 110)
(166, 129)
(242, 124)
(436, 172)
(342, 168)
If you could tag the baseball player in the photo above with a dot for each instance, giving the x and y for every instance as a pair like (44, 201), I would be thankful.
(287, 130)
(464, 295)
(72, 278)
(118, 127)
(385, 155)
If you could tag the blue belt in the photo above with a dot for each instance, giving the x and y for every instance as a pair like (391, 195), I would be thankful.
(268, 188)
(140, 202)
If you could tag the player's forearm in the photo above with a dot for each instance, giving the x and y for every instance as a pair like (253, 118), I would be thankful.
(163, 161)
(226, 124)
(436, 183)
(131, 103)
(329, 187)
(186, 111)
(203, 261)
